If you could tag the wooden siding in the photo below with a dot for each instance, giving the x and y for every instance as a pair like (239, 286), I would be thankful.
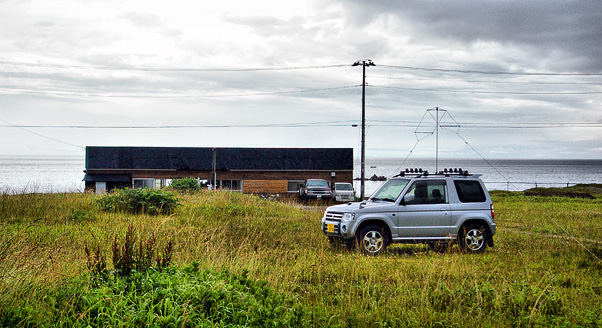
(263, 186)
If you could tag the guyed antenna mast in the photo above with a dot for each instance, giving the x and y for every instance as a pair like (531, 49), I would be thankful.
(421, 129)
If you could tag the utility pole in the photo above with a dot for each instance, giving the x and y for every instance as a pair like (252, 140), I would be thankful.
(437, 142)
(214, 170)
(364, 63)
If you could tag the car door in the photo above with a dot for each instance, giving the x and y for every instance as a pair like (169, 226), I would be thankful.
(427, 213)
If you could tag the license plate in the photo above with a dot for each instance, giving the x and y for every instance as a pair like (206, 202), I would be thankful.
(319, 196)
(330, 227)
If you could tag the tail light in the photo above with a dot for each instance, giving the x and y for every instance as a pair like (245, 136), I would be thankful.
(492, 213)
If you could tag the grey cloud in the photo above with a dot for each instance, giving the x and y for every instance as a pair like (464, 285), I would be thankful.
(150, 21)
(267, 25)
(143, 19)
(44, 23)
(568, 34)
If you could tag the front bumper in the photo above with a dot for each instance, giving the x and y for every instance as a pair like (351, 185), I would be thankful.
(344, 198)
(338, 228)
(317, 195)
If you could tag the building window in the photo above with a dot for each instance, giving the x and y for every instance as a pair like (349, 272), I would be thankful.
(162, 183)
(144, 183)
(294, 185)
(232, 185)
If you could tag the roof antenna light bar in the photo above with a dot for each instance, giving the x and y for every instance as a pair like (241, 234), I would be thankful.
(415, 171)
(457, 171)
(446, 172)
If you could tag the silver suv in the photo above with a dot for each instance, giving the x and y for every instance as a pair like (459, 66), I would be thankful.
(417, 207)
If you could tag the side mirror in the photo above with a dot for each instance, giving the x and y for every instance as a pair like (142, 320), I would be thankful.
(408, 198)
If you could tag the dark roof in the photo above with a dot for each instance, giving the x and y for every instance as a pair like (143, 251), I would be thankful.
(182, 158)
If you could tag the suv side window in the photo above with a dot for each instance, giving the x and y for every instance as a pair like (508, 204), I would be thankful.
(470, 191)
(428, 192)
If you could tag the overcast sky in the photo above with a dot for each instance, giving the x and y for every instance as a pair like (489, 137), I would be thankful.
(521, 79)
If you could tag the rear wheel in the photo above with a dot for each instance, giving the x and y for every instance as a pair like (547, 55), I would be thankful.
(474, 238)
(372, 240)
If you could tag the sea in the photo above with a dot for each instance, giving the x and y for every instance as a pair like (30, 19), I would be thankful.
(32, 174)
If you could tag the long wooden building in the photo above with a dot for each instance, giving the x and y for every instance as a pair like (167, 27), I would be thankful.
(248, 170)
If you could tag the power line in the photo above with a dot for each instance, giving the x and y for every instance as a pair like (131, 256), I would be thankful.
(99, 95)
(491, 92)
(284, 68)
(169, 69)
(489, 72)
(438, 79)
(41, 135)
(498, 125)
(347, 123)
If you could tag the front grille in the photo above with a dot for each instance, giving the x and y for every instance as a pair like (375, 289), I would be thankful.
(336, 216)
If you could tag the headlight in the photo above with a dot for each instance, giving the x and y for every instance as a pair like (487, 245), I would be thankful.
(348, 216)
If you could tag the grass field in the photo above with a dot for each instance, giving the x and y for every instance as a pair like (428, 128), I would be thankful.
(243, 261)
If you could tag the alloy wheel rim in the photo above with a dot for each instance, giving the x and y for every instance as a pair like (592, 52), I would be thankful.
(474, 239)
(373, 241)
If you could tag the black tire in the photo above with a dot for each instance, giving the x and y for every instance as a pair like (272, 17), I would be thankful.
(474, 238)
(372, 240)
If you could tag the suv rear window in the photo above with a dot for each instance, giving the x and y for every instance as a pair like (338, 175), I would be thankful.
(470, 191)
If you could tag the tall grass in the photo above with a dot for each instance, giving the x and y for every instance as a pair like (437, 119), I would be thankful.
(535, 275)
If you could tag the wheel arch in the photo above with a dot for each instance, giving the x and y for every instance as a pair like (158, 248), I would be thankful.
(378, 222)
(480, 221)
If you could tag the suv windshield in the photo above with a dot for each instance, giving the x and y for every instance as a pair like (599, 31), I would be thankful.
(317, 183)
(343, 186)
(390, 190)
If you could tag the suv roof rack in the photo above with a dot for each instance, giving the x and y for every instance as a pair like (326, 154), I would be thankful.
(455, 171)
(446, 172)
(413, 172)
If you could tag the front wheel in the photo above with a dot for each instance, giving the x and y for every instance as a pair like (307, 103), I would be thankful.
(372, 240)
(473, 238)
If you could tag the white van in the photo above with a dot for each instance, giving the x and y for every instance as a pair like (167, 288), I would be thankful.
(343, 192)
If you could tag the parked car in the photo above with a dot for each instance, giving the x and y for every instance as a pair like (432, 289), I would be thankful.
(343, 192)
(315, 189)
(436, 209)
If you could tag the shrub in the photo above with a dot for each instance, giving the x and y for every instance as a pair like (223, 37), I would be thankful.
(185, 185)
(137, 201)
